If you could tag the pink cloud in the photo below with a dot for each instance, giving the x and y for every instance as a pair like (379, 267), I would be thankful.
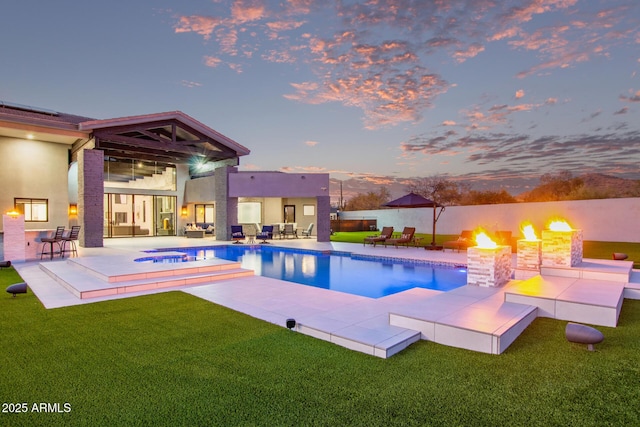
(202, 25)
(519, 94)
(243, 11)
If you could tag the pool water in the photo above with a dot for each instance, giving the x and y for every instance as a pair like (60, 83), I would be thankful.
(365, 276)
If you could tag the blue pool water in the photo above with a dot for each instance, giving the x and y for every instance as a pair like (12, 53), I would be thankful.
(366, 276)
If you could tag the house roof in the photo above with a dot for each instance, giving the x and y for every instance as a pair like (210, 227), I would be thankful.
(171, 137)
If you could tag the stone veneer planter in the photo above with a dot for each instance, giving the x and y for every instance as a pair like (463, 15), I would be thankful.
(529, 256)
(561, 248)
(488, 267)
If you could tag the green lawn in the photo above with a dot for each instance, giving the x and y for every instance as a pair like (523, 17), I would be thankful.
(597, 250)
(173, 359)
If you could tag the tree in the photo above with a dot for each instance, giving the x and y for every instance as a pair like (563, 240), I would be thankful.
(439, 189)
(370, 200)
(554, 187)
(489, 197)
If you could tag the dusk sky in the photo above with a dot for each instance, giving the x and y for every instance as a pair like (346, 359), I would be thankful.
(494, 93)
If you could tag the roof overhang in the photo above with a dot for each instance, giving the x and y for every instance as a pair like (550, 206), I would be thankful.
(171, 137)
(41, 133)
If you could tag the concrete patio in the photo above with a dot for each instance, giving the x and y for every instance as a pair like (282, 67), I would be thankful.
(476, 318)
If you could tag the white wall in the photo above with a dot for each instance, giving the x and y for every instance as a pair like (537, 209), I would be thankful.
(36, 170)
(614, 220)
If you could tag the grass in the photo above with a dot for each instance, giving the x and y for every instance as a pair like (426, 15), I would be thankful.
(591, 249)
(173, 359)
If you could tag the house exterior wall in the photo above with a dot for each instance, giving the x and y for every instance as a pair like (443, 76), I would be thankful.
(613, 220)
(35, 169)
(295, 188)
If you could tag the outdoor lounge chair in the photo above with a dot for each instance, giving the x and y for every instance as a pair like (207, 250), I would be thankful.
(71, 239)
(464, 241)
(237, 234)
(290, 231)
(56, 238)
(405, 239)
(307, 233)
(265, 234)
(385, 234)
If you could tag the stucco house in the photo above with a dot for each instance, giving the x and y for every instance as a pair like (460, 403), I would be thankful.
(146, 175)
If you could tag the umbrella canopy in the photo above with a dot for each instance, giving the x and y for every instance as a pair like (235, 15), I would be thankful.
(411, 200)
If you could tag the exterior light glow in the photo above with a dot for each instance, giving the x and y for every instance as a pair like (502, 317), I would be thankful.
(13, 213)
(484, 241)
(73, 209)
(559, 225)
(529, 233)
(184, 211)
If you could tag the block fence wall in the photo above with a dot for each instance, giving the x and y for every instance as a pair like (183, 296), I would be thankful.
(613, 220)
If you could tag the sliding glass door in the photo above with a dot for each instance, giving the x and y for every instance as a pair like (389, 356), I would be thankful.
(132, 215)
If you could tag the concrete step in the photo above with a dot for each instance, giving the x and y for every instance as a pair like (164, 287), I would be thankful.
(84, 284)
(596, 302)
(483, 326)
(632, 289)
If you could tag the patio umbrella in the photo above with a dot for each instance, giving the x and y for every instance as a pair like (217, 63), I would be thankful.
(413, 200)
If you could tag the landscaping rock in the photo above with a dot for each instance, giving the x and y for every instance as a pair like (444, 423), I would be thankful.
(17, 288)
(583, 334)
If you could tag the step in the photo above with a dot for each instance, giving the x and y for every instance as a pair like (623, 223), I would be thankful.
(596, 302)
(632, 289)
(597, 269)
(86, 285)
(125, 268)
(484, 326)
(380, 342)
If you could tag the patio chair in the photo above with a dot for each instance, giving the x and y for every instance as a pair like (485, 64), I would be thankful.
(237, 234)
(405, 239)
(71, 239)
(307, 233)
(385, 234)
(289, 230)
(265, 234)
(464, 241)
(56, 238)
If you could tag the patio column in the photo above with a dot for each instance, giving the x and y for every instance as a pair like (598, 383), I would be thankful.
(323, 217)
(91, 197)
(226, 207)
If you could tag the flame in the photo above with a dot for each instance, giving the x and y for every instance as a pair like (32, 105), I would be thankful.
(529, 233)
(484, 241)
(559, 225)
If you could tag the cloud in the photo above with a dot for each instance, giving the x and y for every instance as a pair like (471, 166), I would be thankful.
(384, 57)
(188, 83)
(203, 25)
(613, 152)
(311, 143)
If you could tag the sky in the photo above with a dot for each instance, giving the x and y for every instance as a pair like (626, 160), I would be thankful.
(493, 93)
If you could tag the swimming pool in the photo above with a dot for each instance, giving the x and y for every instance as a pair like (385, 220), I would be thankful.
(339, 271)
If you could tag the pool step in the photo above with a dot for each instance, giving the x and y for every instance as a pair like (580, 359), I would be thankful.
(87, 279)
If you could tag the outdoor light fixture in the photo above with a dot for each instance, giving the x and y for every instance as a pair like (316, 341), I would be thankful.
(13, 213)
(73, 209)
(184, 211)
(291, 323)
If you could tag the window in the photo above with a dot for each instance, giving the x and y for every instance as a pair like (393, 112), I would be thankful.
(205, 213)
(34, 210)
(249, 213)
